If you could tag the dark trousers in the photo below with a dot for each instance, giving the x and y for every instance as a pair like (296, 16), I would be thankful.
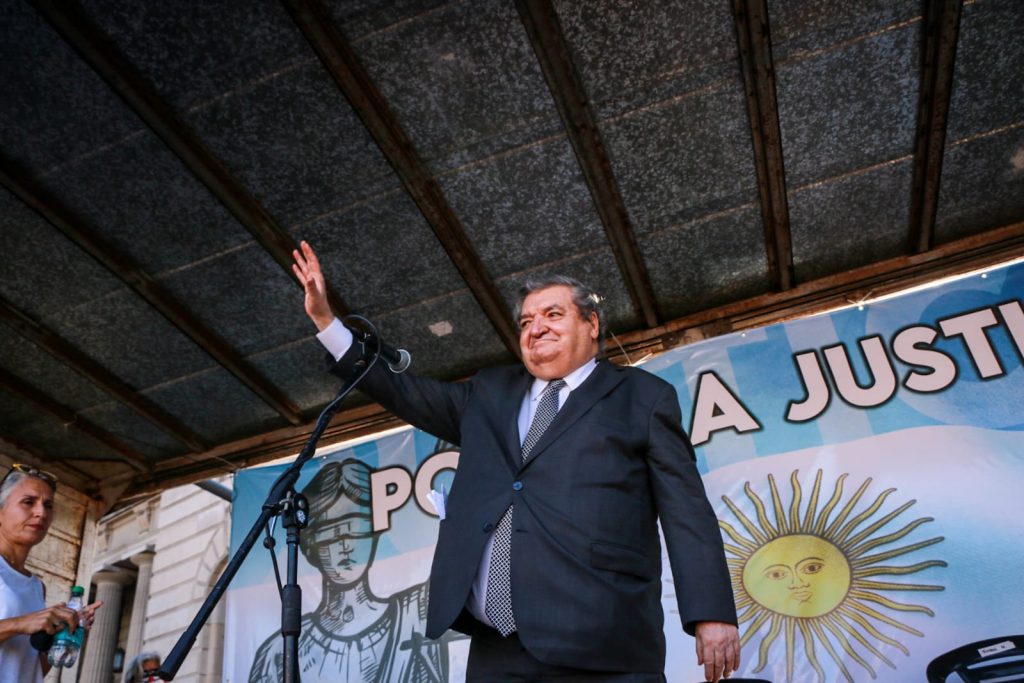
(493, 659)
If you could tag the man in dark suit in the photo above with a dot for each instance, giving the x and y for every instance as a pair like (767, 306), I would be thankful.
(549, 555)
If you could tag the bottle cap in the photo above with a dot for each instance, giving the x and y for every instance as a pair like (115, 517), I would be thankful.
(77, 590)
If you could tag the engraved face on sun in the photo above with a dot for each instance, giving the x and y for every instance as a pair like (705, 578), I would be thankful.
(799, 576)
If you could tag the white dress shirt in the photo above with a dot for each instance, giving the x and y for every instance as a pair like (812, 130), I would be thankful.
(337, 339)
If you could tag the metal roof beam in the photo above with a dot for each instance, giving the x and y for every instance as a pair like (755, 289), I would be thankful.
(86, 482)
(369, 104)
(861, 284)
(58, 347)
(755, 50)
(72, 420)
(545, 33)
(101, 54)
(149, 289)
(941, 27)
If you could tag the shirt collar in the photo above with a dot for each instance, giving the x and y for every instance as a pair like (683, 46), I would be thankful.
(572, 380)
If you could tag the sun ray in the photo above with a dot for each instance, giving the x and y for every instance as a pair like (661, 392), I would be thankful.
(841, 535)
(762, 514)
(867, 626)
(847, 509)
(891, 604)
(747, 615)
(827, 644)
(743, 601)
(780, 516)
(794, 505)
(812, 657)
(837, 494)
(812, 504)
(735, 550)
(766, 642)
(790, 646)
(893, 586)
(861, 607)
(748, 545)
(747, 524)
(875, 526)
(910, 569)
(754, 627)
(848, 627)
(847, 648)
(871, 559)
(889, 538)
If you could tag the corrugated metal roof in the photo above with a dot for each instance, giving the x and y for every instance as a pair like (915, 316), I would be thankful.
(705, 164)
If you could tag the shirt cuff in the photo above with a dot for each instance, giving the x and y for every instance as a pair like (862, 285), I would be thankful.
(336, 338)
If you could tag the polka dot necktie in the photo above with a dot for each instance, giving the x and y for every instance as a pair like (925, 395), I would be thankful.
(499, 578)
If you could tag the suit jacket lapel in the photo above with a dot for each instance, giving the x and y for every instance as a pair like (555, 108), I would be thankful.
(510, 400)
(601, 381)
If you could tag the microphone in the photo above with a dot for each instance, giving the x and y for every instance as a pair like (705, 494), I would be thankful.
(398, 360)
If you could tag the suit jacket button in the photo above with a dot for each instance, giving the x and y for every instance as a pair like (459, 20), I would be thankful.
(517, 486)
(488, 528)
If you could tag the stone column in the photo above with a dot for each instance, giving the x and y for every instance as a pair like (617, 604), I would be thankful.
(98, 659)
(144, 561)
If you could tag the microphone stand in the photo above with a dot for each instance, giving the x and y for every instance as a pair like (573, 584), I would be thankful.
(294, 510)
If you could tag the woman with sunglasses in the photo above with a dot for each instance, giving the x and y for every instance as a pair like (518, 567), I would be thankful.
(26, 511)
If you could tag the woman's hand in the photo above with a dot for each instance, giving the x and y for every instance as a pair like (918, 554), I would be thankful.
(89, 614)
(50, 620)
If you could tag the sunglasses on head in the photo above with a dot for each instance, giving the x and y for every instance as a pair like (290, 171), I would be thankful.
(49, 477)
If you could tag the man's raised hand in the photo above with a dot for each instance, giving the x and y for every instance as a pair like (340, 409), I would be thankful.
(307, 270)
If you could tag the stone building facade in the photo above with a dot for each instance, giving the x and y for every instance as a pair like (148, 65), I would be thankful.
(153, 565)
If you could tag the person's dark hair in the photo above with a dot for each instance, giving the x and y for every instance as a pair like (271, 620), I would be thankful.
(349, 478)
(586, 299)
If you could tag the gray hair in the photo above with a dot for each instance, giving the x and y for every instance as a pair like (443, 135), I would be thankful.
(586, 299)
(133, 672)
(12, 479)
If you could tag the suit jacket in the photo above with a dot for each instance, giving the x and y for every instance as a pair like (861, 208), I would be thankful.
(586, 557)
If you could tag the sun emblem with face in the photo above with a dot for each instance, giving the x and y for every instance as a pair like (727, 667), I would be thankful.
(811, 573)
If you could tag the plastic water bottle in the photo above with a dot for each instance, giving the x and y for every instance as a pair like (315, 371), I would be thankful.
(67, 644)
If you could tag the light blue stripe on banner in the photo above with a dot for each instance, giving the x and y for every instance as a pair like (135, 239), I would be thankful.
(426, 445)
(767, 379)
(367, 452)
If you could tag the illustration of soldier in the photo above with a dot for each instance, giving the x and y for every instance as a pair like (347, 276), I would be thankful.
(353, 635)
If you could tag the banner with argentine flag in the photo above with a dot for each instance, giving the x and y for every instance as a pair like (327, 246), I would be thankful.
(866, 467)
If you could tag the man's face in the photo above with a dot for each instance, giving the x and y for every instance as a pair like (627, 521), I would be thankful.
(553, 338)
